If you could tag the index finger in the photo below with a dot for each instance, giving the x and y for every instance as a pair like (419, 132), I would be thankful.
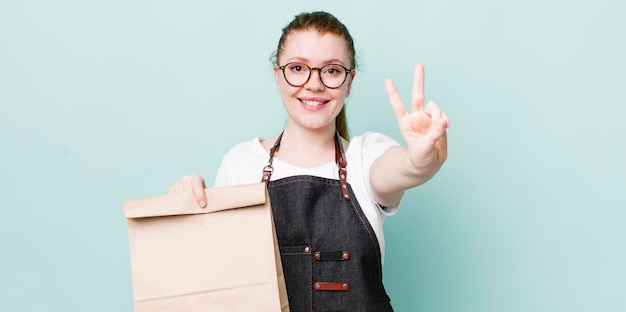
(197, 184)
(418, 88)
(394, 99)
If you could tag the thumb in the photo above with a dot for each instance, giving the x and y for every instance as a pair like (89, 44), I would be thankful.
(437, 130)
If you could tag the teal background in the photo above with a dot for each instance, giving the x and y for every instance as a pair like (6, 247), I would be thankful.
(105, 101)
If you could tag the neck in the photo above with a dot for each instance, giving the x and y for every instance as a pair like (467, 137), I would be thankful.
(309, 138)
(307, 147)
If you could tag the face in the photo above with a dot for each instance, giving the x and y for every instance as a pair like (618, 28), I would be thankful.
(313, 106)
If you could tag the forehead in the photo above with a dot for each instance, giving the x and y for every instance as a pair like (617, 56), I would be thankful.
(315, 48)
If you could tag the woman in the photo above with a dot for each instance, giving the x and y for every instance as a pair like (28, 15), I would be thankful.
(329, 195)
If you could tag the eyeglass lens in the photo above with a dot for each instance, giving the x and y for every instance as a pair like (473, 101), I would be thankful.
(331, 75)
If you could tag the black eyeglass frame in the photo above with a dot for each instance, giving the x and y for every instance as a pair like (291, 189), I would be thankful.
(319, 72)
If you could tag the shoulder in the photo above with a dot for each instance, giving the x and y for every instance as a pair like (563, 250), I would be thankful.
(372, 143)
(242, 164)
(246, 149)
(246, 153)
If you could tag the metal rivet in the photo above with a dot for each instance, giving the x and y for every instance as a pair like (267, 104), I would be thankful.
(344, 186)
(317, 286)
(307, 249)
(346, 256)
(346, 196)
(345, 286)
(343, 176)
(317, 256)
(265, 178)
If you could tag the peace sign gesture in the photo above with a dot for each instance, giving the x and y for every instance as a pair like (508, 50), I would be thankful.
(423, 129)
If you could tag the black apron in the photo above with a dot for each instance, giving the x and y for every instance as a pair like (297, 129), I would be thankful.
(330, 254)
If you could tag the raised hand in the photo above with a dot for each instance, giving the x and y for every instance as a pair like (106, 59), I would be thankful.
(423, 129)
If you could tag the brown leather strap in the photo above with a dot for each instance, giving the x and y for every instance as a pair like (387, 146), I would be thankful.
(331, 286)
(340, 159)
(269, 169)
(342, 163)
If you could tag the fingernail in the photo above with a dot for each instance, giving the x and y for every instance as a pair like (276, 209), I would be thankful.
(202, 203)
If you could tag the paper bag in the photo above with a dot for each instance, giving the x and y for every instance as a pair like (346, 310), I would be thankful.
(223, 257)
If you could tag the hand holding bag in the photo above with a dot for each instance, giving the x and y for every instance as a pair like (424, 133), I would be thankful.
(223, 257)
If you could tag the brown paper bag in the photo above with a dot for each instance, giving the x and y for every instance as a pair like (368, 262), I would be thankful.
(223, 257)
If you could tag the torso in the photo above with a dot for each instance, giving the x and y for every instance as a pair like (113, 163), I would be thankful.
(243, 164)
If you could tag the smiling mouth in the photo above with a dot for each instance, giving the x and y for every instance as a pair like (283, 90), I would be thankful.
(309, 103)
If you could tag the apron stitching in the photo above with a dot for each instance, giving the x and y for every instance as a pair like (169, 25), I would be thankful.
(372, 235)
(279, 183)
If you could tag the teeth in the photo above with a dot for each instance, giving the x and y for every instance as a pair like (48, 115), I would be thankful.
(311, 103)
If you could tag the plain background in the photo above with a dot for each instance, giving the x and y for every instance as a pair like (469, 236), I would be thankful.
(105, 101)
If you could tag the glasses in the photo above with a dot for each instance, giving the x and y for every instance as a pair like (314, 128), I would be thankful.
(332, 75)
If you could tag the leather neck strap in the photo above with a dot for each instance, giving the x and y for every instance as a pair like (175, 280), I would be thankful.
(340, 160)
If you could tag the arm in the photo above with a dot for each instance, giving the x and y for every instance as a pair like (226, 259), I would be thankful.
(424, 132)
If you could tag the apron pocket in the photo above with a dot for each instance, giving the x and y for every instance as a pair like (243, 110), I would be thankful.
(297, 267)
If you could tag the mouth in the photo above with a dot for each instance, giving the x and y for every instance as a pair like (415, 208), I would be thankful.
(313, 103)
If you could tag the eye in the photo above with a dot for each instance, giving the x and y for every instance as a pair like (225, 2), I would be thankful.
(297, 68)
(333, 70)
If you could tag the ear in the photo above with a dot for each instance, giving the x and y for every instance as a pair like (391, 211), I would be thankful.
(352, 76)
(277, 77)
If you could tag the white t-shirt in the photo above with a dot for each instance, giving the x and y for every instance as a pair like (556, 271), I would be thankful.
(244, 163)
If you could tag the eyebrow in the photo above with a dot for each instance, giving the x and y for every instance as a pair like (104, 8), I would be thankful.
(306, 60)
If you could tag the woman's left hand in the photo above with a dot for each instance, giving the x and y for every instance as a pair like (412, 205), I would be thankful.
(423, 129)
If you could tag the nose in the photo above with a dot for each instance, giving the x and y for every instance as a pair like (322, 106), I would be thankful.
(315, 81)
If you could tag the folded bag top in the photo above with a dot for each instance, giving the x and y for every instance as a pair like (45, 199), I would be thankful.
(218, 199)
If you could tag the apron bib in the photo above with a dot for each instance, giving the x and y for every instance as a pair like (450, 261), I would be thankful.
(330, 255)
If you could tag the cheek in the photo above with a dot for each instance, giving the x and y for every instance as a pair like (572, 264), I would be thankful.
(281, 85)
(342, 93)
(285, 89)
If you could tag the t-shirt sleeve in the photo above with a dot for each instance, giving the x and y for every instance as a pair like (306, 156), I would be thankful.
(221, 178)
(242, 164)
(374, 145)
